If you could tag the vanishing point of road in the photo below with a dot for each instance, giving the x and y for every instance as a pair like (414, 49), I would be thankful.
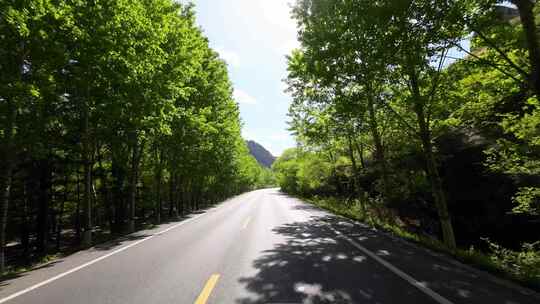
(257, 248)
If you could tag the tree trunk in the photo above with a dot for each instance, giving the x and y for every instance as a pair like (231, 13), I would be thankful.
(172, 183)
(196, 198)
(379, 148)
(159, 174)
(118, 175)
(134, 177)
(6, 171)
(182, 198)
(526, 14)
(431, 166)
(25, 227)
(131, 191)
(356, 188)
(5, 187)
(78, 210)
(178, 199)
(360, 150)
(87, 176)
(44, 173)
(104, 190)
(60, 214)
(87, 206)
(191, 193)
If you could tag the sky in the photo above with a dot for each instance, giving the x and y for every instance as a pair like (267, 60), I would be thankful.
(253, 37)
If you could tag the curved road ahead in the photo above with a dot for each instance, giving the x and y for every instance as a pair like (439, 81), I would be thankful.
(259, 247)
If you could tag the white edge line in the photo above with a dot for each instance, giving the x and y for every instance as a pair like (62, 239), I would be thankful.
(38, 285)
(422, 287)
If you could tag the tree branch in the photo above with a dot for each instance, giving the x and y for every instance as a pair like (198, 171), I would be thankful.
(487, 62)
(409, 129)
(501, 53)
(436, 83)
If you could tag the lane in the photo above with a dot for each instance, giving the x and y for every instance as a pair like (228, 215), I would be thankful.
(262, 247)
(169, 268)
(291, 256)
(449, 280)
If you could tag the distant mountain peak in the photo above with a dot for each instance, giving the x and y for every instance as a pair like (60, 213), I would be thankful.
(263, 156)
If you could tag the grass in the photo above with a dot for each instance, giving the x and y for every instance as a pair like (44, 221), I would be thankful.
(522, 267)
(14, 271)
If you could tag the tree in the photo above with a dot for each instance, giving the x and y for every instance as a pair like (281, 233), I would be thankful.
(108, 111)
(359, 44)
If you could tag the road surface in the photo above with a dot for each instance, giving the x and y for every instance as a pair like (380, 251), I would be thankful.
(259, 247)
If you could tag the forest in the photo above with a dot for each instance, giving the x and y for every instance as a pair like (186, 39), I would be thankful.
(423, 118)
(115, 115)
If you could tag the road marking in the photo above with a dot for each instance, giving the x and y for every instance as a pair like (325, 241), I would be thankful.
(421, 286)
(246, 223)
(38, 285)
(207, 290)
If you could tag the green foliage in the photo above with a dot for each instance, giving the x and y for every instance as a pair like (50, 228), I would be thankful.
(386, 117)
(313, 173)
(523, 264)
(286, 169)
(517, 155)
(520, 265)
(121, 107)
(528, 201)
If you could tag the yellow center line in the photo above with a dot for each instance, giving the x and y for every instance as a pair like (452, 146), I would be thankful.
(246, 223)
(207, 290)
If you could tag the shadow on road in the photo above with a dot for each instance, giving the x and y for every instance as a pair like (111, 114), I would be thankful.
(106, 242)
(437, 271)
(316, 266)
(312, 266)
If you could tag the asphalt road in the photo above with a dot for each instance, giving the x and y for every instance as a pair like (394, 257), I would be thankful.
(259, 247)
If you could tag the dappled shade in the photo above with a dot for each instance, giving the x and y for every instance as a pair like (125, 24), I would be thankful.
(315, 265)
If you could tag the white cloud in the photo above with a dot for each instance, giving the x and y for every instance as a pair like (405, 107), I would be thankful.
(280, 136)
(243, 97)
(278, 13)
(232, 58)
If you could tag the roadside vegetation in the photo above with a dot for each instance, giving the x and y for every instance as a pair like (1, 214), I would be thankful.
(114, 115)
(423, 118)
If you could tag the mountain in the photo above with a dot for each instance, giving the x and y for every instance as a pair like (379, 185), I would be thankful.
(262, 155)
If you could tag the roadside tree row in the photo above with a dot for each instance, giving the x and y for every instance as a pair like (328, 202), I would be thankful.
(113, 115)
(428, 108)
